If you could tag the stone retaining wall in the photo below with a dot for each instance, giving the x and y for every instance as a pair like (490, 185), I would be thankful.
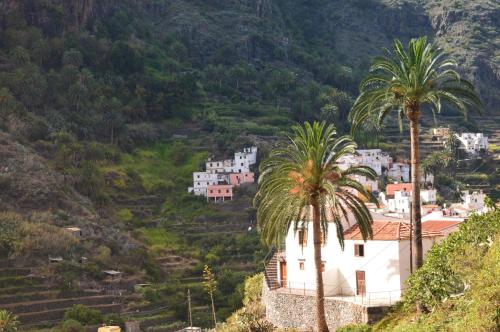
(298, 311)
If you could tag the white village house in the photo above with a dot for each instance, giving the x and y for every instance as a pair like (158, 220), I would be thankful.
(397, 197)
(356, 278)
(473, 143)
(473, 200)
(221, 175)
(374, 158)
(378, 266)
(399, 172)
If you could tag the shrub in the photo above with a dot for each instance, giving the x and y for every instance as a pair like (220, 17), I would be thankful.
(83, 315)
(125, 215)
(71, 325)
(114, 319)
(449, 264)
(41, 240)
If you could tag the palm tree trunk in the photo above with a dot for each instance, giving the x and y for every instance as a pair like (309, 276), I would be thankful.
(414, 117)
(320, 294)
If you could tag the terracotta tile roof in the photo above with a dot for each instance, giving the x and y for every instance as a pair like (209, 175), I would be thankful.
(439, 225)
(388, 231)
(392, 187)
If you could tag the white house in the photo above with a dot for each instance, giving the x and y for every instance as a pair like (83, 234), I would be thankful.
(201, 180)
(399, 172)
(441, 215)
(221, 172)
(378, 267)
(397, 198)
(219, 166)
(375, 158)
(473, 143)
(251, 154)
(473, 200)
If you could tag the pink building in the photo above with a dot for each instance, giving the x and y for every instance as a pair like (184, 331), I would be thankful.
(220, 192)
(238, 178)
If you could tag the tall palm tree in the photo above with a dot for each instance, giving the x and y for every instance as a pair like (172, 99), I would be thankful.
(407, 82)
(303, 179)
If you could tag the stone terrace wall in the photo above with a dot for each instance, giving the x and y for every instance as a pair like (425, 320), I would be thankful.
(298, 311)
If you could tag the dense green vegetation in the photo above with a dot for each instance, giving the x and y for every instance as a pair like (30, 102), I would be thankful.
(458, 283)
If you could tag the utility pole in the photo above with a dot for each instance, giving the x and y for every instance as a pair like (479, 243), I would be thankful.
(189, 309)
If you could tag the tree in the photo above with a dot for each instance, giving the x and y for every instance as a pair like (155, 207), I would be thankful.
(83, 315)
(303, 179)
(408, 82)
(433, 163)
(8, 322)
(210, 285)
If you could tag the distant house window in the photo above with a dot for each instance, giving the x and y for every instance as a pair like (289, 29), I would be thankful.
(217, 164)
(302, 265)
(219, 191)
(198, 183)
(211, 191)
(302, 237)
(198, 176)
(241, 164)
(227, 190)
(359, 250)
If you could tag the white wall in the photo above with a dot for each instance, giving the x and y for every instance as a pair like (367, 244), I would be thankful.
(380, 264)
(295, 253)
(385, 263)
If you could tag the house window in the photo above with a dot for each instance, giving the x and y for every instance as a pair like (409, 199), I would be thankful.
(302, 237)
(323, 266)
(227, 190)
(359, 250)
(211, 191)
(219, 191)
(198, 176)
(302, 265)
(241, 164)
(198, 183)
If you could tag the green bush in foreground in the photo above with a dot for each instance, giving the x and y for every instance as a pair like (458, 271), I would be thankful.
(458, 283)
(447, 269)
(83, 315)
(252, 316)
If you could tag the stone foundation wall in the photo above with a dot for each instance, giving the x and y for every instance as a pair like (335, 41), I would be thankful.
(298, 311)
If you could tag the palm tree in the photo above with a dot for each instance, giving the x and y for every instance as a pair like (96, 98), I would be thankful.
(407, 82)
(303, 178)
(8, 322)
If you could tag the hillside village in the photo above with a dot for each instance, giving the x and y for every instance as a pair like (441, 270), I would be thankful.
(216, 183)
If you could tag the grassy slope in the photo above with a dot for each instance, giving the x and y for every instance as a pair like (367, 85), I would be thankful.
(470, 256)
